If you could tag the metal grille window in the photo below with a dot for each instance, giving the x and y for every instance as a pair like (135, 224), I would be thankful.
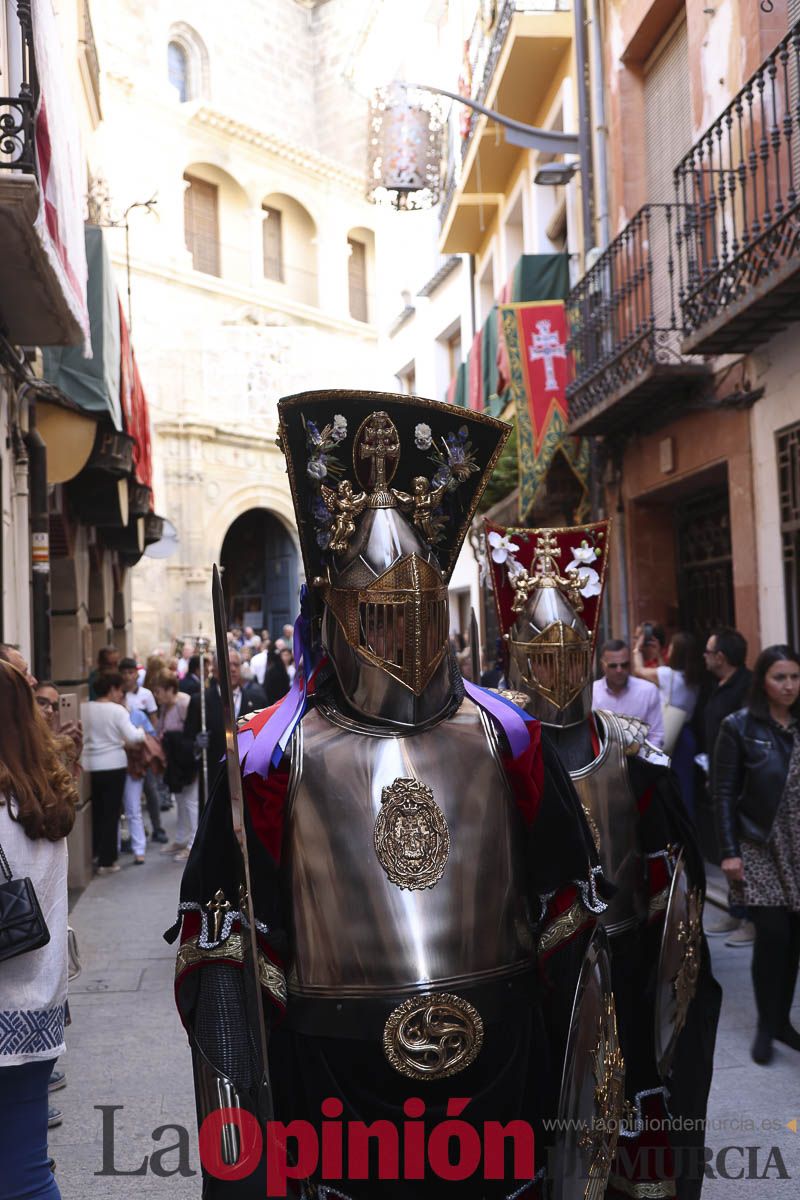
(357, 279)
(273, 244)
(705, 562)
(788, 448)
(201, 224)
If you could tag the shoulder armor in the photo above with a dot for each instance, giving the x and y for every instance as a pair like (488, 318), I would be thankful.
(633, 732)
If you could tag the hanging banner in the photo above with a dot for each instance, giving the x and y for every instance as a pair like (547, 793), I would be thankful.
(536, 343)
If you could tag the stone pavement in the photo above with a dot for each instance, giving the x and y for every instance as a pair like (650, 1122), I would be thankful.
(126, 1047)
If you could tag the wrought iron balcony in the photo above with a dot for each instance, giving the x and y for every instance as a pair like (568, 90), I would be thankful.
(625, 329)
(34, 306)
(739, 186)
(17, 112)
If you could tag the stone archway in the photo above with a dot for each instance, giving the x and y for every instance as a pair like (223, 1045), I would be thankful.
(261, 569)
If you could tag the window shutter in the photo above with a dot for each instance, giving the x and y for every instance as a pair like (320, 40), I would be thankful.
(667, 113)
(273, 244)
(201, 223)
(357, 279)
(668, 136)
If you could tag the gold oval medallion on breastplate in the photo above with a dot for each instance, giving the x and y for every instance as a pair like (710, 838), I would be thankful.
(433, 1036)
(412, 840)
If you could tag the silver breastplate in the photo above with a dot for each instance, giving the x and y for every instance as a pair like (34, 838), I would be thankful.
(605, 792)
(404, 858)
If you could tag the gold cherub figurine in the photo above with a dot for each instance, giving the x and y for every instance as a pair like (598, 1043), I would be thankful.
(425, 501)
(346, 507)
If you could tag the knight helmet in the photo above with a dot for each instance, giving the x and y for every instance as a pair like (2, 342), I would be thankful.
(548, 588)
(384, 489)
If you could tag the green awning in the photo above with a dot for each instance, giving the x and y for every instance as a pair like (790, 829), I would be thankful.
(93, 383)
(540, 277)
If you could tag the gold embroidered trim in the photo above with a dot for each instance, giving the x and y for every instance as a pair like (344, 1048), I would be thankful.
(562, 927)
(643, 1191)
(658, 903)
(272, 978)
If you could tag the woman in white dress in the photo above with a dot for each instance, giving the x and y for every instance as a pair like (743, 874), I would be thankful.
(37, 811)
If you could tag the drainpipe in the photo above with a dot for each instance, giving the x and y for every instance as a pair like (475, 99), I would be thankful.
(619, 537)
(39, 545)
(20, 630)
(584, 127)
(600, 130)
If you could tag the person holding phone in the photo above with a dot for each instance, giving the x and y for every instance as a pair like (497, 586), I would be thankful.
(61, 714)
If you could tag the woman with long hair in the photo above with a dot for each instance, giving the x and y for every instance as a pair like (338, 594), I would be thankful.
(757, 809)
(37, 811)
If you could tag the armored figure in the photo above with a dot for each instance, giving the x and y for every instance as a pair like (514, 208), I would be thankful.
(423, 883)
(548, 586)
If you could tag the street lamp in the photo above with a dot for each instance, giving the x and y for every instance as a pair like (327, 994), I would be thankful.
(405, 146)
(556, 174)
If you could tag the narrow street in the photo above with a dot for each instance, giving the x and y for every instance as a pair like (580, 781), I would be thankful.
(126, 1047)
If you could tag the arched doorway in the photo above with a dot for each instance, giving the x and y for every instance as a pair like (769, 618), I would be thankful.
(260, 572)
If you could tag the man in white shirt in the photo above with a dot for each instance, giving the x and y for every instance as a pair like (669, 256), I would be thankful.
(258, 665)
(137, 698)
(620, 692)
(140, 699)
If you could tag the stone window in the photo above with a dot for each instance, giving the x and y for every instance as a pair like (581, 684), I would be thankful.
(201, 224)
(357, 279)
(273, 243)
(187, 63)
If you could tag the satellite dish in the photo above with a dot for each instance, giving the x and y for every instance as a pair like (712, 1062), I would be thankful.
(166, 545)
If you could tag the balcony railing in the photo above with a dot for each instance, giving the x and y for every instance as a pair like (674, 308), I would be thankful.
(484, 48)
(625, 326)
(17, 148)
(739, 185)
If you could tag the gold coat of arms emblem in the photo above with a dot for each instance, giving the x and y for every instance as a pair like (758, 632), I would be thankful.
(412, 840)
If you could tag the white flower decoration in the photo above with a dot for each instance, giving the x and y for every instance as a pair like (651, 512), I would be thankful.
(590, 580)
(502, 547)
(584, 553)
(316, 469)
(423, 436)
(339, 430)
(513, 568)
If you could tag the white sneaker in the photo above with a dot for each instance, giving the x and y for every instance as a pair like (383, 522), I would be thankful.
(173, 848)
(745, 935)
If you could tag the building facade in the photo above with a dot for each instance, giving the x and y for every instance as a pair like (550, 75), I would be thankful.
(681, 329)
(257, 278)
(493, 230)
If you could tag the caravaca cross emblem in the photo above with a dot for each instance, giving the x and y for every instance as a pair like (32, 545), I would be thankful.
(546, 346)
(544, 573)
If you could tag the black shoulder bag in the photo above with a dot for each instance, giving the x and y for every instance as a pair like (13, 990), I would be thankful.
(22, 926)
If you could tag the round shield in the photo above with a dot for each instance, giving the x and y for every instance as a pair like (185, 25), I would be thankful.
(678, 964)
(592, 1085)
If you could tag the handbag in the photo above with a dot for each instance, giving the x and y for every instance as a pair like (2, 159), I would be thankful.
(22, 926)
(674, 720)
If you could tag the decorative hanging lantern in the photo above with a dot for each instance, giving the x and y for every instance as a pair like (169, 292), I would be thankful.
(405, 148)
